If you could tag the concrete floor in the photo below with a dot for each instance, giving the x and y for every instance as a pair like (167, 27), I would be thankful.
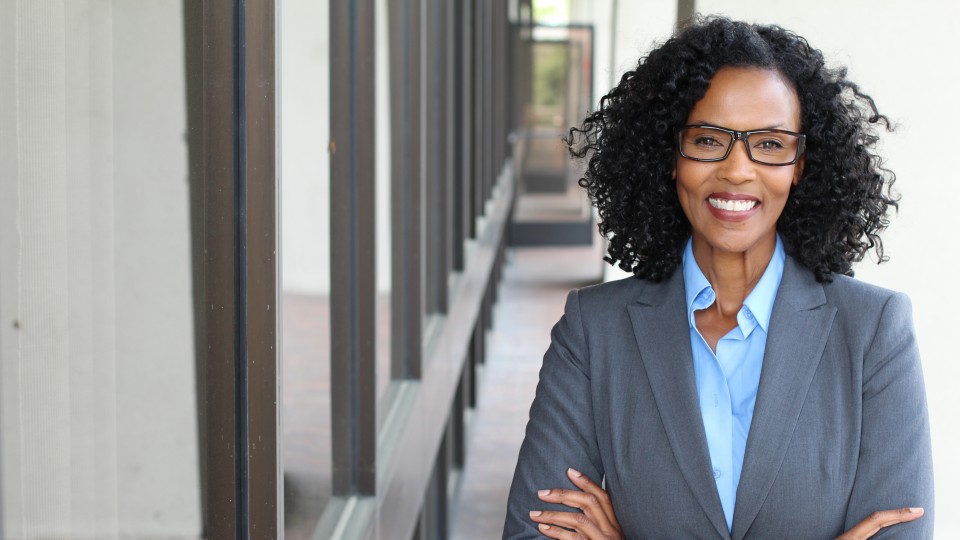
(532, 295)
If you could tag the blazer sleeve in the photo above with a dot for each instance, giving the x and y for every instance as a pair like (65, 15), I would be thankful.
(895, 467)
(560, 432)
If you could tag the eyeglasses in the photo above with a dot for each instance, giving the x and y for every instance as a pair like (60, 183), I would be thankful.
(766, 146)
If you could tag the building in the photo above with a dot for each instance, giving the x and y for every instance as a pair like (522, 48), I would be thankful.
(249, 249)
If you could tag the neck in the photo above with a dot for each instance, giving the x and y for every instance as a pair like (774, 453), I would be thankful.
(732, 274)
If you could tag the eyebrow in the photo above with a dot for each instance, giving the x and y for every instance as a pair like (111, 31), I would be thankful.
(711, 124)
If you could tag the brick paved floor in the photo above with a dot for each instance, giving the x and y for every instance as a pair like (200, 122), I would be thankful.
(306, 405)
(532, 294)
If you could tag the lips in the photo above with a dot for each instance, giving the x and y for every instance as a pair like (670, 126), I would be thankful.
(731, 205)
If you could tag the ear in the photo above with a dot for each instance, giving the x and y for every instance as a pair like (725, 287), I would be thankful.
(798, 170)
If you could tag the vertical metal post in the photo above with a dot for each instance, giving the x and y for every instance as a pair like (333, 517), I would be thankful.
(405, 132)
(259, 113)
(686, 9)
(437, 180)
(445, 150)
(238, 373)
(509, 73)
(458, 429)
(434, 520)
(466, 27)
(499, 61)
(352, 302)
(488, 99)
(456, 130)
(219, 269)
(478, 151)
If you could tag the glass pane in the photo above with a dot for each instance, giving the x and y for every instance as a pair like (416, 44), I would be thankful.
(383, 213)
(554, 90)
(305, 262)
(97, 273)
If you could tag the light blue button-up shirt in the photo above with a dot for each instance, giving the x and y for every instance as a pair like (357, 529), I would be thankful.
(727, 381)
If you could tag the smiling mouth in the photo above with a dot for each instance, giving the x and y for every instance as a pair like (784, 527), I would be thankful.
(732, 206)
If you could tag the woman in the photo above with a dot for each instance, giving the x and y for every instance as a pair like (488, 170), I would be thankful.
(744, 386)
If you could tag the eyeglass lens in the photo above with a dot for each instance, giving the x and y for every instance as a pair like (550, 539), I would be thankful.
(708, 143)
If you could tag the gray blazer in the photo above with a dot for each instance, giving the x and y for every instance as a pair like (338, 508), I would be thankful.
(839, 429)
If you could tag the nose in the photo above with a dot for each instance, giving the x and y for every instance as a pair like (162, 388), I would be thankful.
(738, 167)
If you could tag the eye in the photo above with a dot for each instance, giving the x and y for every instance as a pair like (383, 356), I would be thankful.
(769, 145)
(707, 140)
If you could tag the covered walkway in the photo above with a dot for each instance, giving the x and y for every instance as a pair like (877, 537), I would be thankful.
(532, 294)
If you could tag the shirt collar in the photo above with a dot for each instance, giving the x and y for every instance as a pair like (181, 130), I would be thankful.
(699, 294)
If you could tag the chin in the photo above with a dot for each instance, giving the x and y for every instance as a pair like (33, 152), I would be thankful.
(737, 242)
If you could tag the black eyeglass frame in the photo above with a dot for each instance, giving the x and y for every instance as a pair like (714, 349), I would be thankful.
(743, 136)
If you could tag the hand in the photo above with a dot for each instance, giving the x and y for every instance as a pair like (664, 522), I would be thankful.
(594, 521)
(878, 520)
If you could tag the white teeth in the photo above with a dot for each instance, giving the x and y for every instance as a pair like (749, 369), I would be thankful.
(731, 206)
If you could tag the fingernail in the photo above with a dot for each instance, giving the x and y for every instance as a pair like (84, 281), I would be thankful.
(575, 472)
(544, 526)
(535, 513)
(915, 510)
(543, 492)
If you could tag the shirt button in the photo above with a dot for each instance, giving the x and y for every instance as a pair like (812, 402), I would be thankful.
(716, 473)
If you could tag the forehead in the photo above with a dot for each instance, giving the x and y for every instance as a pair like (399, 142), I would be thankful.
(748, 98)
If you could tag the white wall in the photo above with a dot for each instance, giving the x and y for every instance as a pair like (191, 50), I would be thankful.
(157, 443)
(900, 53)
(637, 28)
(99, 433)
(623, 31)
(304, 123)
(304, 120)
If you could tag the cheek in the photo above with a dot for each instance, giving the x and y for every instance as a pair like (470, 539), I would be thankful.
(685, 174)
(689, 179)
(779, 191)
(792, 178)
(687, 193)
(683, 191)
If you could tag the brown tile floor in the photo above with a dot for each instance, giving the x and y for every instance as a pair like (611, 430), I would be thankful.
(306, 405)
(532, 294)
(306, 408)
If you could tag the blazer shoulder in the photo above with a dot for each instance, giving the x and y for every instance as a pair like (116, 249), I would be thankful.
(870, 312)
(611, 294)
(849, 293)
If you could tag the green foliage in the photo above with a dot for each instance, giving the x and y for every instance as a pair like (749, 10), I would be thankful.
(551, 11)
(549, 73)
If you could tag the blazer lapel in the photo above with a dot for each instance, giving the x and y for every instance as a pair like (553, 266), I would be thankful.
(799, 326)
(662, 333)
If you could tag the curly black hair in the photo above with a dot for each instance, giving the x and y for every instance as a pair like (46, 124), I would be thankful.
(833, 216)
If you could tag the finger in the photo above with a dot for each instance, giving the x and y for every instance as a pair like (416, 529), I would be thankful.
(872, 524)
(573, 498)
(574, 525)
(583, 482)
(587, 503)
(553, 531)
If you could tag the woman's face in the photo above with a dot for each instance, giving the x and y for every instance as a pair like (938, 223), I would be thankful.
(741, 99)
